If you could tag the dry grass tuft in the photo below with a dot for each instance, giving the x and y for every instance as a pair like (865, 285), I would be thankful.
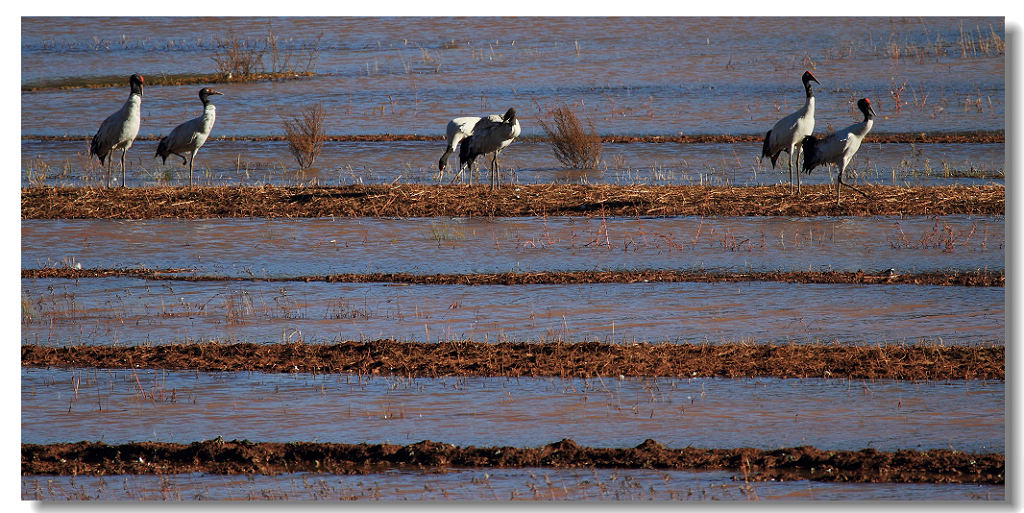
(573, 146)
(240, 58)
(305, 134)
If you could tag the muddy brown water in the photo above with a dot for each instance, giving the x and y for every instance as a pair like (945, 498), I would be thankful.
(119, 405)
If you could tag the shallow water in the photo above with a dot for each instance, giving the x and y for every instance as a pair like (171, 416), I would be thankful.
(411, 75)
(544, 484)
(134, 311)
(305, 247)
(239, 162)
(119, 406)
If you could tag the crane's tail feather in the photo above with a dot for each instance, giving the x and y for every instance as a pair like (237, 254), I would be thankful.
(810, 149)
(162, 150)
(96, 149)
(766, 150)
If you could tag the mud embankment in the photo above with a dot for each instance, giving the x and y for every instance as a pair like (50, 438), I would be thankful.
(979, 278)
(576, 360)
(408, 200)
(244, 457)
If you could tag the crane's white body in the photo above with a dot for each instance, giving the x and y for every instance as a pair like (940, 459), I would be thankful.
(787, 134)
(118, 132)
(457, 130)
(490, 135)
(189, 136)
(839, 147)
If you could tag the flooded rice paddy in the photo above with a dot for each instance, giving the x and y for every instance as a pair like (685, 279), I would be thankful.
(410, 76)
(271, 248)
(119, 406)
(380, 76)
(133, 311)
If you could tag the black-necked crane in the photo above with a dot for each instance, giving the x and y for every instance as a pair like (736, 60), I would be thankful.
(790, 130)
(839, 147)
(189, 136)
(490, 135)
(457, 130)
(118, 131)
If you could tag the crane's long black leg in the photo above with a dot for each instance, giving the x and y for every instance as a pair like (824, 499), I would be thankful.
(841, 182)
(800, 152)
(124, 177)
(791, 169)
(495, 172)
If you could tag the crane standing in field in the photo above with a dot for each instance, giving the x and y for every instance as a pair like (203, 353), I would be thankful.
(189, 136)
(490, 135)
(839, 147)
(457, 130)
(118, 131)
(790, 130)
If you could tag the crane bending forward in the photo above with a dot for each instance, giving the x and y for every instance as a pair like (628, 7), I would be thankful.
(490, 135)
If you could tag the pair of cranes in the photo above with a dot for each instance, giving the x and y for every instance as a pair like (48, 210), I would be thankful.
(794, 134)
(119, 130)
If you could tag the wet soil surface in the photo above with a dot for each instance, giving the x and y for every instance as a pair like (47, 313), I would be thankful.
(406, 200)
(235, 457)
(579, 359)
(978, 278)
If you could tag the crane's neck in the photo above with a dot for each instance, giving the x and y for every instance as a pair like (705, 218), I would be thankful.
(862, 128)
(807, 88)
(134, 105)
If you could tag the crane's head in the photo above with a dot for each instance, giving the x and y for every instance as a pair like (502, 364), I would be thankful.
(510, 116)
(808, 77)
(205, 93)
(864, 105)
(136, 83)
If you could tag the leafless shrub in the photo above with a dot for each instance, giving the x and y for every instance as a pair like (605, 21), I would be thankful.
(573, 146)
(305, 134)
